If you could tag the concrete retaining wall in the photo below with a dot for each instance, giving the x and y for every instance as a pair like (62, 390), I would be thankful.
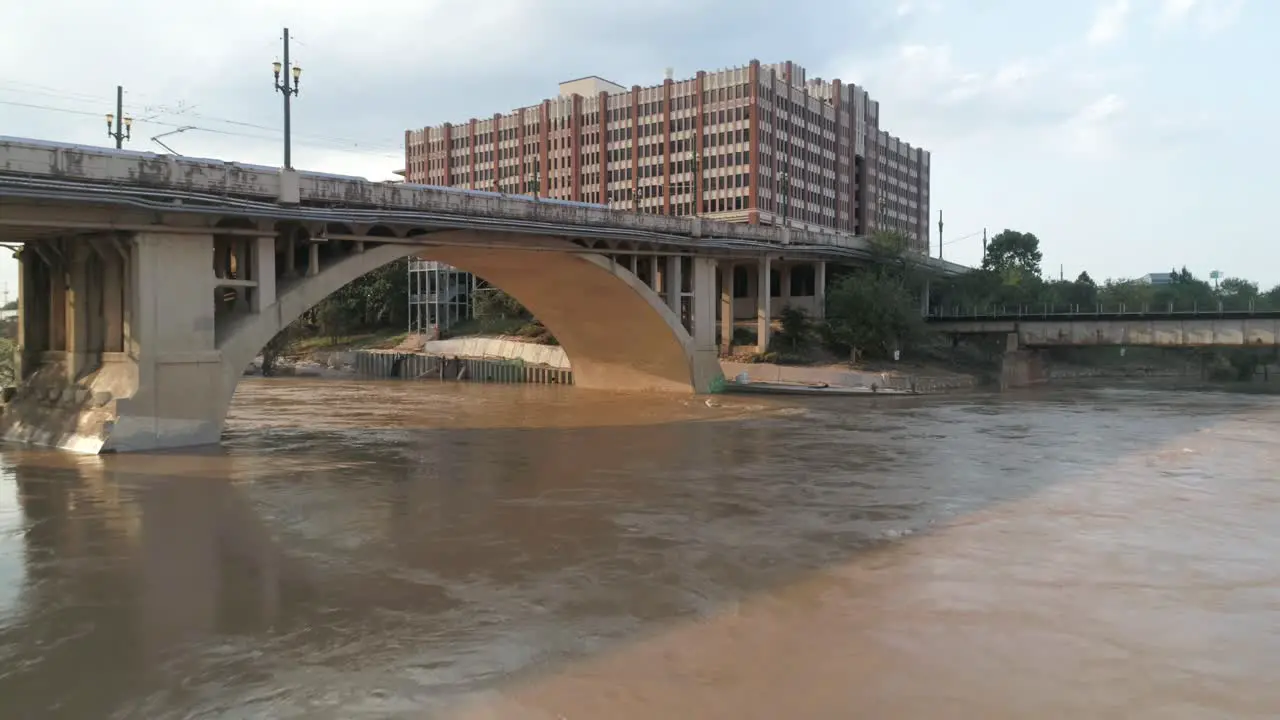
(416, 366)
(499, 348)
(766, 372)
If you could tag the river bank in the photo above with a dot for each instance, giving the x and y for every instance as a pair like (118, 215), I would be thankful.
(940, 375)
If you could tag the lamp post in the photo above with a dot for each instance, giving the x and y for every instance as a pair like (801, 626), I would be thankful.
(119, 134)
(288, 92)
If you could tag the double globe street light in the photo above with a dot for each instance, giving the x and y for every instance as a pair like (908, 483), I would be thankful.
(288, 91)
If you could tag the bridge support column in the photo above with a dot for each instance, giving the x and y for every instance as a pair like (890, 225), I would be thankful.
(705, 360)
(177, 399)
(34, 311)
(726, 307)
(129, 330)
(77, 296)
(672, 283)
(264, 272)
(1021, 367)
(764, 315)
(113, 301)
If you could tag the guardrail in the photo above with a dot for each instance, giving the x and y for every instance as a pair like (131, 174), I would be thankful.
(1119, 311)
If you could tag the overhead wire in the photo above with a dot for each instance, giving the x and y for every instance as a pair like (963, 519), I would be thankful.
(156, 112)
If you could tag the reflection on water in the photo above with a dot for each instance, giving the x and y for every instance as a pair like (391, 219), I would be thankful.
(418, 550)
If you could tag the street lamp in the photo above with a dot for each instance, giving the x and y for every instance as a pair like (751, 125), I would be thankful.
(288, 92)
(119, 134)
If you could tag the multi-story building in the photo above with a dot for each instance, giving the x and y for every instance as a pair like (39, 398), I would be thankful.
(757, 144)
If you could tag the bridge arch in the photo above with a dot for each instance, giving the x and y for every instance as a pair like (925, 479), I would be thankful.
(618, 333)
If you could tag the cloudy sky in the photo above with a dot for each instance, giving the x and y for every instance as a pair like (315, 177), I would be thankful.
(1131, 136)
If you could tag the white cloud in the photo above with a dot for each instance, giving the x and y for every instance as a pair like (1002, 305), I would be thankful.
(1175, 11)
(1108, 22)
(930, 98)
(1091, 131)
(1208, 15)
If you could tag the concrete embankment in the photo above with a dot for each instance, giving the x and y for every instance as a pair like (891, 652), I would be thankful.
(422, 366)
(843, 377)
(496, 359)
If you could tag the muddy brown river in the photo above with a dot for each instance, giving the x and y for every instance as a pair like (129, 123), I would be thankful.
(418, 550)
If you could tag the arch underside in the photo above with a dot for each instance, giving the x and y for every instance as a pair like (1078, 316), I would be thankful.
(616, 331)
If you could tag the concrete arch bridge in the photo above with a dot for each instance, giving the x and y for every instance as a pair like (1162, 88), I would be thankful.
(149, 283)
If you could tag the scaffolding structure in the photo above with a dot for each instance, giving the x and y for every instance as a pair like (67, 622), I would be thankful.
(440, 296)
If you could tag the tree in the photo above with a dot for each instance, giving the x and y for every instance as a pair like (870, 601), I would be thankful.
(1011, 250)
(1238, 293)
(796, 330)
(492, 303)
(873, 313)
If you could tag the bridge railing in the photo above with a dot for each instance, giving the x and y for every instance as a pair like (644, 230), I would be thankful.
(1050, 311)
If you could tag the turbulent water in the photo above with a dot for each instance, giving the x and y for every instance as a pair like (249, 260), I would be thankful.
(389, 550)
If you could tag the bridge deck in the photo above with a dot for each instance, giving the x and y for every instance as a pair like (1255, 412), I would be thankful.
(1226, 328)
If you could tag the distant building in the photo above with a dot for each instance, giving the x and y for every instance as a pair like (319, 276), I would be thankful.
(1161, 278)
(760, 144)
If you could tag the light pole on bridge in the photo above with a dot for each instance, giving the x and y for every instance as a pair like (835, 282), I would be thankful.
(119, 134)
(288, 92)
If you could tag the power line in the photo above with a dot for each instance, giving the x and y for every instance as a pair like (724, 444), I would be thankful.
(150, 113)
(215, 131)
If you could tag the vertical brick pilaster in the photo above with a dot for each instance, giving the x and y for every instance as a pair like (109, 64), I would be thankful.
(471, 154)
(575, 145)
(497, 138)
(603, 109)
(699, 128)
(635, 147)
(544, 147)
(448, 155)
(753, 133)
(667, 86)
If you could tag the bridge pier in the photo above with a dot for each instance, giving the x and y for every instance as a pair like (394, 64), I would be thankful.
(1022, 367)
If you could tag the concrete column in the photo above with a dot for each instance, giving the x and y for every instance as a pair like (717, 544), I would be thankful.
(240, 246)
(924, 299)
(704, 299)
(182, 389)
(33, 313)
(313, 259)
(264, 271)
(764, 314)
(672, 282)
(784, 284)
(820, 289)
(290, 258)
(707, 375)
(58, 281)
(112, 302)
(726, 306)
(77, 312)
(127, 309)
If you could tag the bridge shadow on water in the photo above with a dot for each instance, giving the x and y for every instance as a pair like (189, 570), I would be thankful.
(427, 563)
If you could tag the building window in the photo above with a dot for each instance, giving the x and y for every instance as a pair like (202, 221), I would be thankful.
(802, 280)
(741, 282)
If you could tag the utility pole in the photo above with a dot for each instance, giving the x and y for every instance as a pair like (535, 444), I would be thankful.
(288, 92)
(120, 134)
(939, 234)
(984, 244)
